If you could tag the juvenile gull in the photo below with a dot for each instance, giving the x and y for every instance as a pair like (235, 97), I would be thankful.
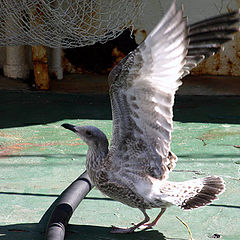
(135, 169)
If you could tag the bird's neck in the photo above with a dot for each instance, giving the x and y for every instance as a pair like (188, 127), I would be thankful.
(95, 157)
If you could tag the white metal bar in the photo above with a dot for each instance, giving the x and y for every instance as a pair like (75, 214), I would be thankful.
(55, 62)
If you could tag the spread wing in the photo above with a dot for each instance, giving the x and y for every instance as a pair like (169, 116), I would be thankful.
(207, 36)
(142, 89)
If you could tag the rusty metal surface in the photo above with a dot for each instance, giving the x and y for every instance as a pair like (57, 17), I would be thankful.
(40, 66)
(225, 62)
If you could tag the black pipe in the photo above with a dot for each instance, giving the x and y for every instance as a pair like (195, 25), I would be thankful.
(67, 202)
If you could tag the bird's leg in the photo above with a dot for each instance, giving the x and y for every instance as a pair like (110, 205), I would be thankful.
(154, 222)
(131, 229)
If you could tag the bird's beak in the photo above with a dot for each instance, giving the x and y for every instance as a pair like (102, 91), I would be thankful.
(69, 127)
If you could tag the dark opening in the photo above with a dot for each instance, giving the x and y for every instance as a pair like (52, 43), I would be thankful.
(99, 58)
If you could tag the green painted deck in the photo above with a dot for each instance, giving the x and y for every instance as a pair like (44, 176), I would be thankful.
(39, 159)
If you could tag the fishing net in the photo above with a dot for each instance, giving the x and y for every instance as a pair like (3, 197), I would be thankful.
(65, 23)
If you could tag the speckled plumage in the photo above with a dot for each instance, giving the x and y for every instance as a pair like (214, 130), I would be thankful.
(135, 169)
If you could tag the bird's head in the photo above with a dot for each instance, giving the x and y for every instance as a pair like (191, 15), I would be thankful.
(92, 136)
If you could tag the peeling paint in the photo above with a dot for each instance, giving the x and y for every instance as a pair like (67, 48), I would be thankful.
(218, 134)
(140, 35)
(15, 148)
(40, 65)
(225, 62)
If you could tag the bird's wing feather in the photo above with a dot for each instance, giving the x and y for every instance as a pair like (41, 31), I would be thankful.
(142, 89)
(207, 36)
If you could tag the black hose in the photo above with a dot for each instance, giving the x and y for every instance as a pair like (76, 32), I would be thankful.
(67, 202)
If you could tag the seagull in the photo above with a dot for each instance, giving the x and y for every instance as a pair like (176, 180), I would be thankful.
(134, 170)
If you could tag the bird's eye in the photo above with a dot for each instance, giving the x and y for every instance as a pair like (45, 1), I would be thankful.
(88, 133)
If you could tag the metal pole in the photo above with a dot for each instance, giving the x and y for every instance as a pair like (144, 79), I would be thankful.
(15, 63)
(55, 62)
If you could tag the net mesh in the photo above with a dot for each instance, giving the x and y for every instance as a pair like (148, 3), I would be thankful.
(65, 23)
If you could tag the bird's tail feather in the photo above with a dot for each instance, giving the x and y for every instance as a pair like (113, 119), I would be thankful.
(194, 193)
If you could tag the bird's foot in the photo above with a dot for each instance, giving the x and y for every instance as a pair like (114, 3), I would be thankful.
(143, 226)
(146, 226)
(122, 230)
